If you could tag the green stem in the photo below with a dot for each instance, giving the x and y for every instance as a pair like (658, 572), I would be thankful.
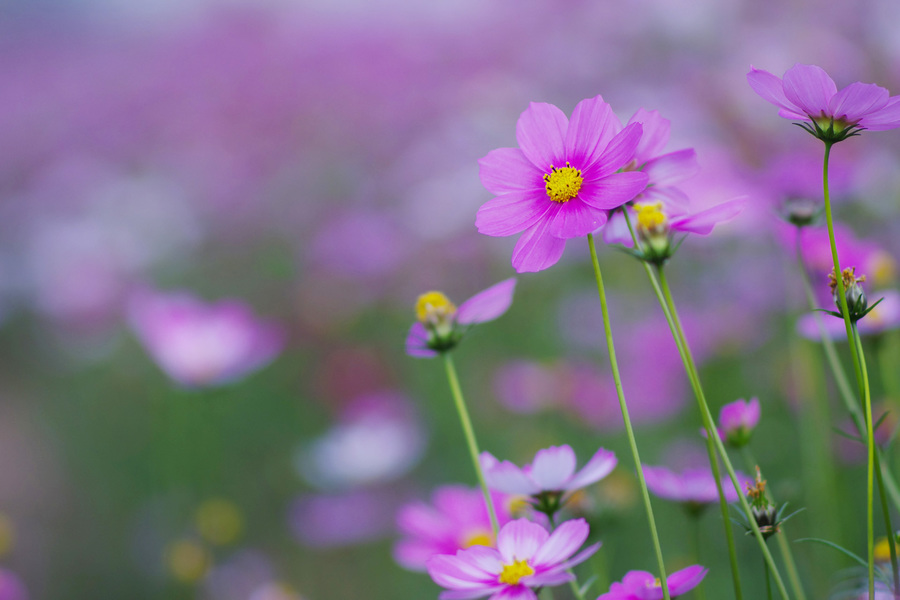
(698, 393)
(470, 437)
(613, 363)
(870, 466)
(695, 542)
(712, 434)
(768, 580)
(573, 583)
(886, 510)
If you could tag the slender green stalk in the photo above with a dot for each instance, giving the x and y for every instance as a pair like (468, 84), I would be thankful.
(576, 591)
(709, 423)
(694, 524)
(768, 580)
(470, 437)
(698, 393)
(886, 511)
(859, 369)
(613, 363)
(870, 467)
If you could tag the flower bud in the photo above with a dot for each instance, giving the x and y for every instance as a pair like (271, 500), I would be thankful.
(653, 231)
(857, 302)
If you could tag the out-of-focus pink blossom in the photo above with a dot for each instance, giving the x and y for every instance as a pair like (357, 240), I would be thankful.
(11, 586)
(641, 585)
(553, 470)
(693, 487)
(737, 421)
(343, 519)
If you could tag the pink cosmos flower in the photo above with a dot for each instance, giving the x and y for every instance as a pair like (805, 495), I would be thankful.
(441, 325)
(526, 557)
(561, 182)
(694, 487)
(199, 344)
(641, 585)
(737, 421)
(457, 518)
(807, 93)
(553, 470)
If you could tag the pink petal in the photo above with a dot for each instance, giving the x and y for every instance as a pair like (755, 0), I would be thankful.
(672, 167)
(686, 579)
(506, 477)
(515, 592)
(771, 89)
(592, 126)
(417, 342)
(512, 212)
(520, 539)
(482, 559)
(600, 465)
(618, 153)
(576, 219)
(858, 100)
(886, 118)
(452, 572)
(810, 88)
(808, 327)
(507, 170)
(488, 304)
(553, 466)
(655, 136)
(580, 557)
(703, 222)
(613, 191)
(536, 249)
(562, 543)
(541, 131)
(471, 594)
(616, 230)
(549, 578)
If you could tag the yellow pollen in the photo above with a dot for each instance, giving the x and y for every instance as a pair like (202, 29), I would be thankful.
(649, 215)
(478, 538)
(656, 583)
(431, 305)
(513, 573)
(563, 184)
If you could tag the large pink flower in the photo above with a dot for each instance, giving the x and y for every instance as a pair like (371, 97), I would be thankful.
(561, 182)
(807, 93)
(526, 557)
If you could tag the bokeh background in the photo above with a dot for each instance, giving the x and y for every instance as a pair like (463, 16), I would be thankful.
(315, 165)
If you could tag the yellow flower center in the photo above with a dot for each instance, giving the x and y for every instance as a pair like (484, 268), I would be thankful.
(478, 538)
(882, 267)
(656, 583)
(649, 215)
(513, 573)
(563, 184)
(434, 306)
(883, 550)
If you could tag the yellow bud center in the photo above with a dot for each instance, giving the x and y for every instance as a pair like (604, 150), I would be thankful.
(478, 538)
(649, 215)
(563, 184)
(434, 306)
(883, 550)
(513, 573)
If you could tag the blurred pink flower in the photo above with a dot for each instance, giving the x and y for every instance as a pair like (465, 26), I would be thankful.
(199, 344)
(737, 421)
(343, 519)
(641, 585)
(884, 317)
(11, 587)
(693, 487)
(553, 470)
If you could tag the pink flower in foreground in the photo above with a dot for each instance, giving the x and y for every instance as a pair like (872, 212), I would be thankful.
(199, 344)
(641, 585)
(737, 421)
(553, 470)
(441, 325)
(561, 182)
(695, 488)
(457, 518)
(807, 93)
(526, 557)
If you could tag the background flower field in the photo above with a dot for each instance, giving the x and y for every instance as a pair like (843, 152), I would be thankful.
(286, 178)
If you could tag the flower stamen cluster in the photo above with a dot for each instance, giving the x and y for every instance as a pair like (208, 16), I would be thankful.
(564, 183)
(857, 302)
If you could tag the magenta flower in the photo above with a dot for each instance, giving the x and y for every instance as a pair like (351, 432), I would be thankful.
(526, 557)
(553, 470)
(441, 325)
(561, 182)
(807, 93)
(199, 344)
(695, 488)
(641, 585)
(457, 518)
(737, 421)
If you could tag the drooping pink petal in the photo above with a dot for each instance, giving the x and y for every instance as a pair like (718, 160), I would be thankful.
(613, 191)
(488, 304)
(536, 249)
(771, 88)
(858, 100)
(520, 539)
(515, 592)
(565, 540)
(686, 579)
(618, 153)
(580, 557)
(508, 170)
(655, 136)
(417, 342)
(451, 572)
(592, 126)
(809, 88)
(673, 167)
(482, 559)
(541, 133)
(600, 465)
(576, 219)
(886, 118)
(548, 578)
(553, 466)
(471, 594)
(512, 212)
(703, 222)
(506, 477)
(616, 230)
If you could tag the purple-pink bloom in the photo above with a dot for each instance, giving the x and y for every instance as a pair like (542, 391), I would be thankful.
(526, 557)
(737, 421)
(457, 518)
(693, 487)
(200, 344)
(561, 182)
(553, 470)
(641, 585)
(807, 93)
(441, 325)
